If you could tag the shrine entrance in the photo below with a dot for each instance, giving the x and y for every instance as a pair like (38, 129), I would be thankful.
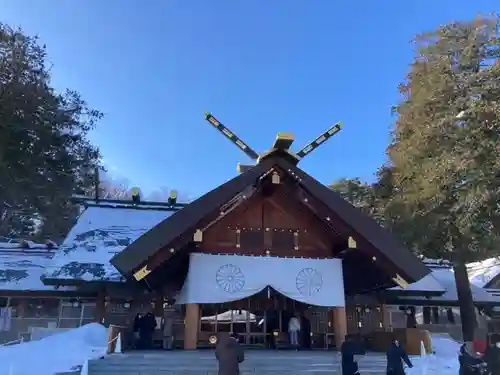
(262, 320)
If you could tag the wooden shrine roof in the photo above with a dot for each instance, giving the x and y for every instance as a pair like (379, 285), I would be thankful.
(136, 255)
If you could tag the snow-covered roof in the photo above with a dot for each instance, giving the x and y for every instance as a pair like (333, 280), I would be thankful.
(427, 284)
(22, 265)
(481, 273)
(444, 276)
(99, 234)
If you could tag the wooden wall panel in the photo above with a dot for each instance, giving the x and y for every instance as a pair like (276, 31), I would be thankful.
(270, 226)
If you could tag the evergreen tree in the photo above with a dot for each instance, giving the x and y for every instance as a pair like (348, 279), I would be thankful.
(44, 151)
(444, 156)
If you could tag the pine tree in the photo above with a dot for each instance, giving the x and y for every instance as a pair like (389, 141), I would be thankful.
(44, 151)
(445, 151)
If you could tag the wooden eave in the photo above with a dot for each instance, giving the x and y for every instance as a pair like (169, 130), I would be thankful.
(412, 268)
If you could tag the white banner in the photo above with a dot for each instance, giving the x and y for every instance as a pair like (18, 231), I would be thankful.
(225, 278)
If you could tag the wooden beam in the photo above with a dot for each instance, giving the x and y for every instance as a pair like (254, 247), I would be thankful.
(292, 210)
(283, 141)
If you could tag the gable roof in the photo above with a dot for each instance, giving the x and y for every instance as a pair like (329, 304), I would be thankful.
(137, 253)
(363, 224)
(165, 232)
(99, 233)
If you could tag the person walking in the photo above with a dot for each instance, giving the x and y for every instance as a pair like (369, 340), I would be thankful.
(396, 355)
(348, 352)
(229, 354)
(294, 331)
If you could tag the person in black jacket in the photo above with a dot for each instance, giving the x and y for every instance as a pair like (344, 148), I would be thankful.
(146, 330)
(136, 327)
(348, 350)
(305, 332)
(492, 358)
(395, 355)
(470, 363)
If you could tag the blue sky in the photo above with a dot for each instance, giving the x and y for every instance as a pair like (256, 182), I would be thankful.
(154, 68)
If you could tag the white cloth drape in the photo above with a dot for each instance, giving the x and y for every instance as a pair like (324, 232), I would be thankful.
(225, 278)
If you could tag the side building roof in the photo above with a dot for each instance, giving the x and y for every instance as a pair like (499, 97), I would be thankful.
(22, 265)
(442, 278)
(485, 273)
(101, 231)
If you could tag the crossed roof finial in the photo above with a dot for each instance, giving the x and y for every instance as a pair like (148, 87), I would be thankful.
(281, 145)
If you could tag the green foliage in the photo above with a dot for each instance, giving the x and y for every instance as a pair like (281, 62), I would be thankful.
(444, 153)
(439, 191)
(44, 152)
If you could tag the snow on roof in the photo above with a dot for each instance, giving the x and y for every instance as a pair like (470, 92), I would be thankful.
(428, 283)
(481, 273)
(444, 276)
(22, 264)
(99, 234)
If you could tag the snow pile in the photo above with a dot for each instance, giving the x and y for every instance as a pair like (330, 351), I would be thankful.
(57, 353)
(444, 361)
(480, 273)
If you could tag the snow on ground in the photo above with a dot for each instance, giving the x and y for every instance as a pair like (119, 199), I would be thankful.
(444, 361)
(57, 353)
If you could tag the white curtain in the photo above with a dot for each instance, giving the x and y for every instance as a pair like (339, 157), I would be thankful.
(225, 278)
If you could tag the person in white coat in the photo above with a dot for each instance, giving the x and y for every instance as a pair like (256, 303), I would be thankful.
(294, 330)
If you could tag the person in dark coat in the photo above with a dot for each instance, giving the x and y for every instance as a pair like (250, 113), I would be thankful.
(146, 330)
(395, 355)
(229, 355)
(136, 327)
(270, 327)
(469, 361)
(492, 358)
(348, 351)
(305, 332)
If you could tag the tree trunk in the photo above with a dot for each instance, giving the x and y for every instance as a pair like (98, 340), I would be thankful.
(465, 300)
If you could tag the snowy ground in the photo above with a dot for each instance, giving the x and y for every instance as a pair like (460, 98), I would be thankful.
(443, 362)
(57, 353)
(69, 350)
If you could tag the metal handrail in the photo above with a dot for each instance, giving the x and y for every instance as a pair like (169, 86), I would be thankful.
(21, 340)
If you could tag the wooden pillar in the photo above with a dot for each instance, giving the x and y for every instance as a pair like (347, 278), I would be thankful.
(386, 317)
(100, 306)
(191, 323)
(339, 325)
